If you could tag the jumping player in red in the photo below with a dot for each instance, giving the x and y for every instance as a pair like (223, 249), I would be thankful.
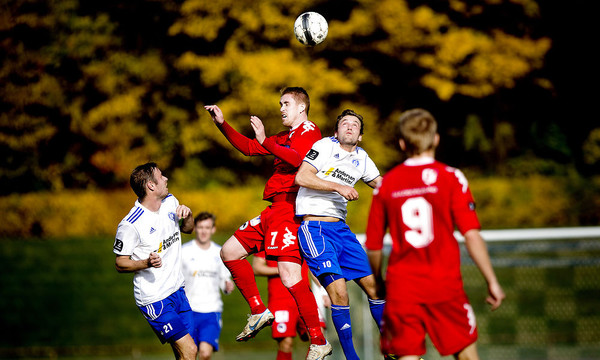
(421, 201)
(275, 229)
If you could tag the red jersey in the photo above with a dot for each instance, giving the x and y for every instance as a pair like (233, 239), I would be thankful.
(289, 148)
(421, 201)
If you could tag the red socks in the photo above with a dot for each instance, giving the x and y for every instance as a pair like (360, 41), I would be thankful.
(307, 307)
(243, 276)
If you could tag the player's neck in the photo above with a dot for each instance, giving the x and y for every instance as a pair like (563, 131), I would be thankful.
(298, 122)
(204, 245)
(424, 155)
(151, 203)
(348, 147)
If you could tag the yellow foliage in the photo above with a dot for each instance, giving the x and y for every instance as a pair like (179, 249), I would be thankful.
(591, 147)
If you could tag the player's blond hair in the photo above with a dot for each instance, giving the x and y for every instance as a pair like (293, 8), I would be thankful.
(417, 127)
(299, 94)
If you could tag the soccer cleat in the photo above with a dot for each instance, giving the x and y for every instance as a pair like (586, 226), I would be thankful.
(319, 352)
(255, 323)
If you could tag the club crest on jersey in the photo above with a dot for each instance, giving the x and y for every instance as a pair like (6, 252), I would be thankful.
(336, 156)
(312, 154)
(429, 176)
(152, 230)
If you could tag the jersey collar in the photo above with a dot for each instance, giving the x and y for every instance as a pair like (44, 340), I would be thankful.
(419, 161)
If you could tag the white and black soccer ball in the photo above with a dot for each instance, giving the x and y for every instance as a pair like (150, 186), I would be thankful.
(311, 28)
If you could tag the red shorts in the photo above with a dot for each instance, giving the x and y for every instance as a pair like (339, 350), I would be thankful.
(274, 231)
(450, 325)
(287, 319)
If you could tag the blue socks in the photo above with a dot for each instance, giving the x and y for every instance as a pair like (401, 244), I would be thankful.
(340, 316)
(376, 307)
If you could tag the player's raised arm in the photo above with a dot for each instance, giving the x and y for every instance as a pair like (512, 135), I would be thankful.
(215, 113)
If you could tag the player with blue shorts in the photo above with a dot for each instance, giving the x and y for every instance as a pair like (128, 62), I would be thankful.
(148, 243)
(206, 277)
(327, 177)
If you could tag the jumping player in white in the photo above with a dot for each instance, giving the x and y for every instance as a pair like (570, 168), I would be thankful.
(327, 178)
(205, 277)
(148, 243)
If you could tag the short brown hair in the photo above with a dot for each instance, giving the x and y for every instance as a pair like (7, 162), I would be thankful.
(351, 113)
(204, 216)
(417, 127)
(140, 176)
(299, 94)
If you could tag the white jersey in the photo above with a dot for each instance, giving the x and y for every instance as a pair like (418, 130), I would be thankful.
(205, 276)
(337, 165)
(142, 232)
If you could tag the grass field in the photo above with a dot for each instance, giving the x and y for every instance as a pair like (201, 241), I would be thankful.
(62, 298)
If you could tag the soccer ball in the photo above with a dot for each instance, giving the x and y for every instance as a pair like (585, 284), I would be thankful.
(310, 28)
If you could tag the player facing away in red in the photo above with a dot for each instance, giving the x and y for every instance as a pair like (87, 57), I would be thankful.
(274, 230)
(421, 201)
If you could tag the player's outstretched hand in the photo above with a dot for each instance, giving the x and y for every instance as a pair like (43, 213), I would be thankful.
(154, 260)
(496, 295)
(215, 113)
(259, 128)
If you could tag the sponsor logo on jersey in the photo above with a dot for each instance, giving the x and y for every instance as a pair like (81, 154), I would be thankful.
(312, 154)
(340, 174)
(288, 238)
(307, 126)
(415, 192)
(165, 244)
(118, 245)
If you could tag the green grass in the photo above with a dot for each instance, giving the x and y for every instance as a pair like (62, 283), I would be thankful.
(62, 298)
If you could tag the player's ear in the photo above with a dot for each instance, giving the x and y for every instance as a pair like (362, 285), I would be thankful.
(302, 107)
(402, 144)
(436, 140)
(360, 137)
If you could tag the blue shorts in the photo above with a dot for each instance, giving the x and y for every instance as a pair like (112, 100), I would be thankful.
(331, 248)
(171, 318)
(207, 328)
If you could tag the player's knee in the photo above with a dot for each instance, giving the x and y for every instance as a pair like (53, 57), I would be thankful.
(286, 344)
(205, 351)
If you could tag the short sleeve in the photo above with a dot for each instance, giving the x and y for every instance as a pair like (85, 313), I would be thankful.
(371, 170)
(126, 239)
(319, 153)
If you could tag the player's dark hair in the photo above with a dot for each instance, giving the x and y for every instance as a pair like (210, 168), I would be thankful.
(350, 113)
(417, 127)
(140, 176)
(299, 94)
(204, 216)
